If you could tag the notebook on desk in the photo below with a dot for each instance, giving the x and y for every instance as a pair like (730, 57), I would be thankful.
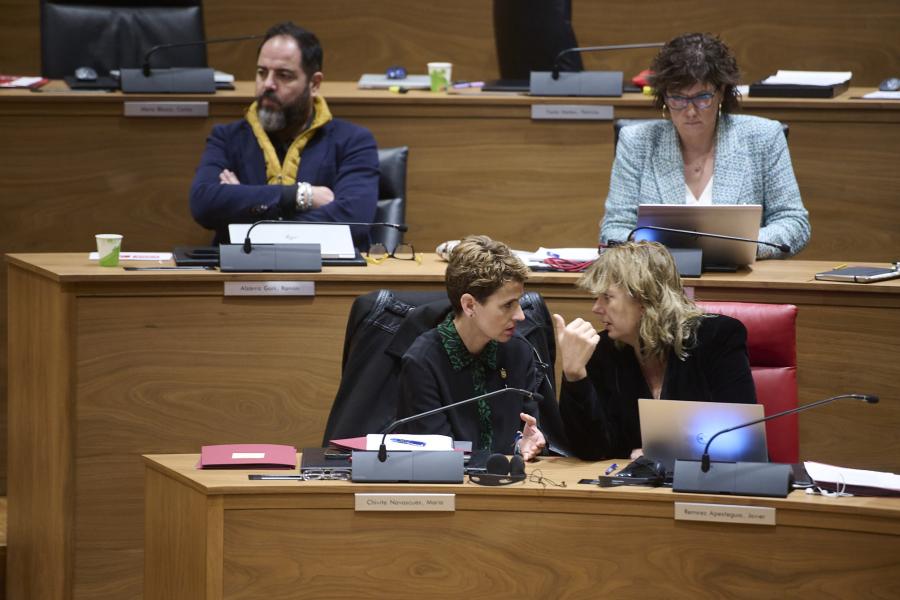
(680, 429)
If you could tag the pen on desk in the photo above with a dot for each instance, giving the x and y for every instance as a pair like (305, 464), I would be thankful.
(610, 469)
(467, 84)
(167, 268)
(408, 442)
(263, 477)
(840, 266)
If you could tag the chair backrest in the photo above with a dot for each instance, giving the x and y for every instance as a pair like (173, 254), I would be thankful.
(107, 34)
(391, 195)
(772, 347)
(618, 124)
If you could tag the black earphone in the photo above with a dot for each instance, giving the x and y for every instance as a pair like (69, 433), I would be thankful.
(501, 471)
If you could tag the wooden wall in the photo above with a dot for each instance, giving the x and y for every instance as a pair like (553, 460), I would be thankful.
(359, 36)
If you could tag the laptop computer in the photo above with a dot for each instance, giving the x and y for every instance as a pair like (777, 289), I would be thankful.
(737, 220)
(680, 429)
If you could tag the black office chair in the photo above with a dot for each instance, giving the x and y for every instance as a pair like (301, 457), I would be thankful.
(618, 124)
(391, 196)
(105, 35)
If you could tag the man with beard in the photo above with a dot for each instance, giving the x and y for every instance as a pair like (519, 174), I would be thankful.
(288, 158)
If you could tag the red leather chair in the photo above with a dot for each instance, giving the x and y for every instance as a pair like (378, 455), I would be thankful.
(772, 346)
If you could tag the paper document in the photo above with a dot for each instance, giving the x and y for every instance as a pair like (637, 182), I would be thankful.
(537, 257)
(157, 256)
(852, 478)
(408, 441)
(823, 78)
(879, 95)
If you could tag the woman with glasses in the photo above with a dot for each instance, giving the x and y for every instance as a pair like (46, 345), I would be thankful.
(475, 350)
(655, 343)
(702, 153)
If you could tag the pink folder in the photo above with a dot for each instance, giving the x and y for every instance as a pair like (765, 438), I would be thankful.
(244, 456)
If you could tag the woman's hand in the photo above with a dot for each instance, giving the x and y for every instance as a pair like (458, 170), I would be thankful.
(576, 343)
(532, 439)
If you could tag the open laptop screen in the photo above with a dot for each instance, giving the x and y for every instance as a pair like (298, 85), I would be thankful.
(738, 220)
(680, 429)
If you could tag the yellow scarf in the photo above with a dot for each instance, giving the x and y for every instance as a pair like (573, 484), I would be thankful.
(286, 174)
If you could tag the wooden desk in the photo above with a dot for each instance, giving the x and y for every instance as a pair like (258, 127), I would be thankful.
(106, 365)
(217, 535)
(72, 166)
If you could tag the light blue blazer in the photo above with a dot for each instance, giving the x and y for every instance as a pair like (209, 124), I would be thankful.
(752, 166)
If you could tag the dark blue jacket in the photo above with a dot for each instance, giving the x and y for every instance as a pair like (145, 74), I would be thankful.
(341, 156)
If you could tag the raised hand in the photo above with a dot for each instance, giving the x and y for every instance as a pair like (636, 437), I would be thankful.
(575, 342)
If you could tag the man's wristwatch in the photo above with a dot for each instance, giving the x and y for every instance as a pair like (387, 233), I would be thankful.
(304, 196)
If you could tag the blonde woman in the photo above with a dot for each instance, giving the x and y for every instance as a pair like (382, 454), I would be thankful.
(656, 343)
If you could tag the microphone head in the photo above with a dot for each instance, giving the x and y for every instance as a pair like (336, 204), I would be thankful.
(871, 399)
(402, 227)
(248, 245)
(784, 248)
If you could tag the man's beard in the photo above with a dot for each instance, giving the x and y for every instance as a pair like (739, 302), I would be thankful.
(279, 119)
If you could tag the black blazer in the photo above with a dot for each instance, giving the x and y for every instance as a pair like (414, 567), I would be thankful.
(428, 381)
(600, 412)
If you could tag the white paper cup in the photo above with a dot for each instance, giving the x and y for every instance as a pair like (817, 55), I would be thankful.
(108, 247)
(440, 72)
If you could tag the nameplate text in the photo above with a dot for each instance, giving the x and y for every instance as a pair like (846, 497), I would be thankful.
(406, 502)
(725, 513)
(166, 109)
(270, 288)
(571, 112)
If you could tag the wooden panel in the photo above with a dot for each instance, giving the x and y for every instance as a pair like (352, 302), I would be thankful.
(368, 37)
(283, 553)
(158, 374)
(182, 525)
(41, 439)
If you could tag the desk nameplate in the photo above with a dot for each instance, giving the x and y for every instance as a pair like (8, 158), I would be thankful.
(270, 288)
(167, 109)
(571, 112)
(724, 513)
(406, 502)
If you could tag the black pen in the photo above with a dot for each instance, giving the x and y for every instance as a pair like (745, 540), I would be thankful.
(184, 268)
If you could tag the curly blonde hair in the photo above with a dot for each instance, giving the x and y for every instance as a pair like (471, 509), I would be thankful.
(647, 272)
(480, 266)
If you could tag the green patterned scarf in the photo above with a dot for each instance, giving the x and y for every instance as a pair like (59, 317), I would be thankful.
(460, 358)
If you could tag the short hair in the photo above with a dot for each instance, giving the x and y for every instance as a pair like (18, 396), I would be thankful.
(647, 272)
(696, 58)
(311, 53)
(480, 266)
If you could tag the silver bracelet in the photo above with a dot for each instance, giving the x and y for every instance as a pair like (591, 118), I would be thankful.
(304, 196)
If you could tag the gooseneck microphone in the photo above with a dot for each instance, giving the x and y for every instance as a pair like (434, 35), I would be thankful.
(704, 460)
(782, 247)
(146, 65)
(556, 61)
(248, 246)
(382, 449)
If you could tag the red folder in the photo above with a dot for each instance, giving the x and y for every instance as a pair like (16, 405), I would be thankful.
(243, 456)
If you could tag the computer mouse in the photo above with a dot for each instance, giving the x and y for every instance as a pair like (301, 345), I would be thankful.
(396, 72)
(85, 74)
(891, 84)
